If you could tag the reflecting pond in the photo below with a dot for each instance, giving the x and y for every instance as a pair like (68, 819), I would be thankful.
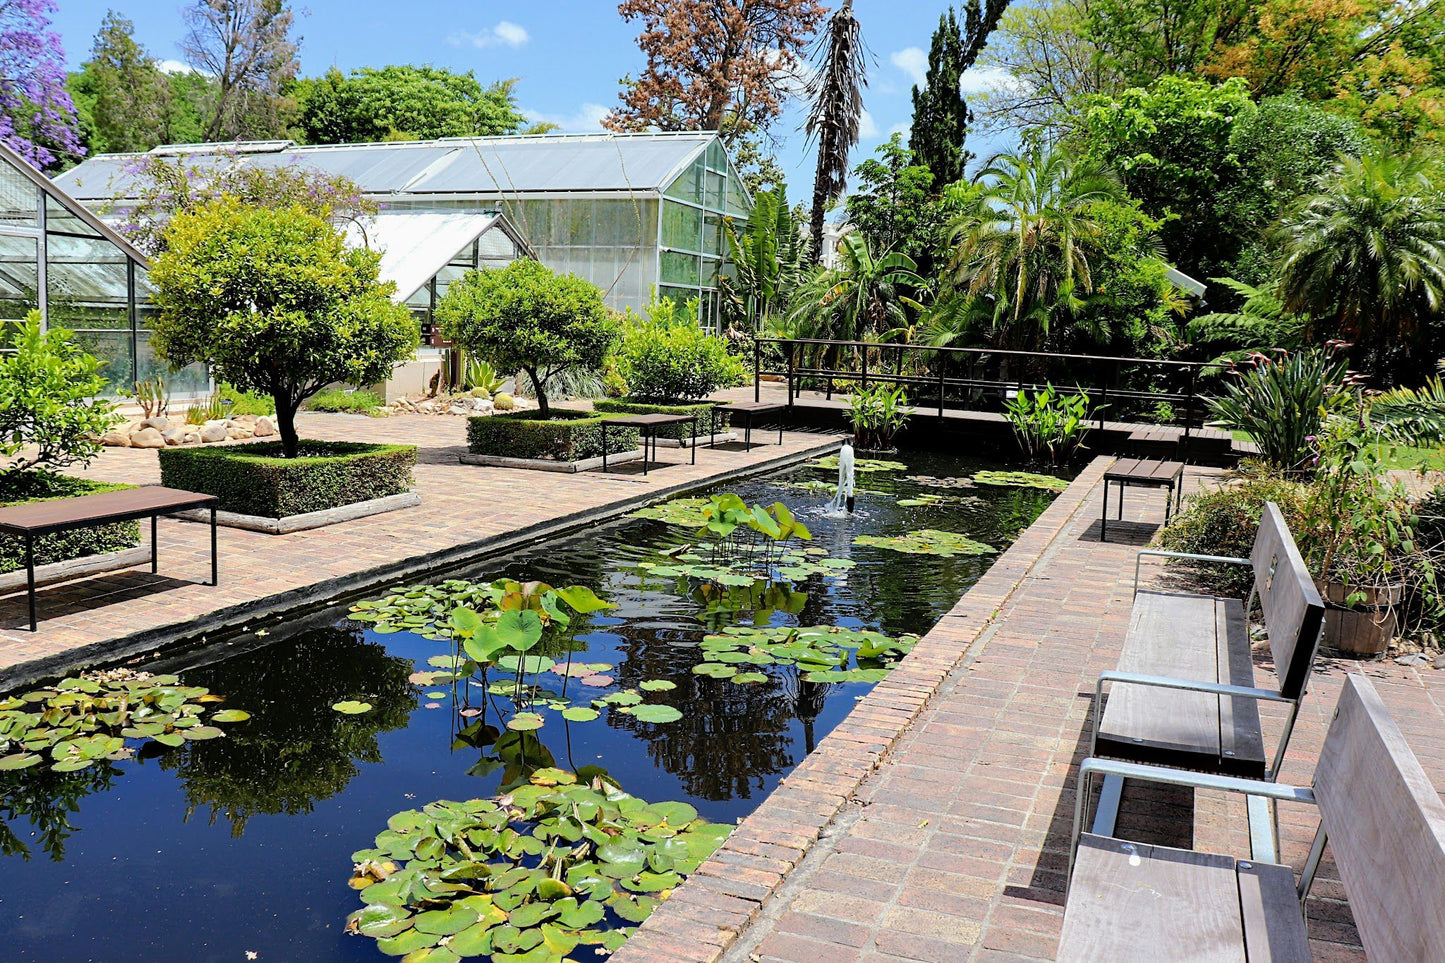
(243, 844)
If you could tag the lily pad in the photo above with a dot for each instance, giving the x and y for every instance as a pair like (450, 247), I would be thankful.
(525, 722)
(657, 685)
(928, 541)
(579, 714)
(351, 707)
(1020, 479)
(655, 713)
(862, 466)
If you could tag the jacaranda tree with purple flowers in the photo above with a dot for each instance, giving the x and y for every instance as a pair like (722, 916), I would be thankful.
(37, 117)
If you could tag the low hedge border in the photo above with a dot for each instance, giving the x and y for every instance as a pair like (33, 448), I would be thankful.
(77, 543)
(568, 435)
(629, 406)
(255, 480)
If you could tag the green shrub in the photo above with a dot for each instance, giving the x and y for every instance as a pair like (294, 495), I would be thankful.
(1280, 402)
(1048, 422)
(566, 436)
(203, 411)
(877, 414)
(336, 400)
(62, 546)
(1224, 521)
(630, 406)
(666, 356)
(255, 479)
(243, 402)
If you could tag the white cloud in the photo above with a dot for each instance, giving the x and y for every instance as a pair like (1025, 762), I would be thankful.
(173, 67)
(867, 127)
(504, 34)
(913, 61)
(586, 118)
(904, 129)
(979, 80)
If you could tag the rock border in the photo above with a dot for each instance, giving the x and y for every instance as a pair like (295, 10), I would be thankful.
(307, 520)
(73, 568)
(547, 464)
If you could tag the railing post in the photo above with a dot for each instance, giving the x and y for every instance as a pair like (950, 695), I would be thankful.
(757, 370)
(941, 358)
(1189, 407)
(791, 349)
(865, 365)
(832, 354)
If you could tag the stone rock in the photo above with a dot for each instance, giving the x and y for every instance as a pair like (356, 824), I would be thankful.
(159, 423)
(174, 436)
(1440, 661)
(146, 437)
(264, 428)
(214, 431)
(460, 409)
(1414, 658)
(482, 406)
(238, 433)
(116, 438)
(191, 437)
(248, 419)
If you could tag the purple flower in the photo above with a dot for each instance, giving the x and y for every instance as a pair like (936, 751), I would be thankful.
(37, 116)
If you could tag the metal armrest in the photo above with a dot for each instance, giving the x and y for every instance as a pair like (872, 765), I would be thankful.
(1163, 682)
(1160, 553)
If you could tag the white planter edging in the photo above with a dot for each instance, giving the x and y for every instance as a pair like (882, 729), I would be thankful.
(73, 568)
(703, 440)
(547, 464)
(299, 523)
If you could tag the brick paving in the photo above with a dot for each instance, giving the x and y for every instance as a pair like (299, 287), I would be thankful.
(465, 509)
(933, 823)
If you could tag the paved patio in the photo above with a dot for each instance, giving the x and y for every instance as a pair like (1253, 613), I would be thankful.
(949, 841)
(465, 510)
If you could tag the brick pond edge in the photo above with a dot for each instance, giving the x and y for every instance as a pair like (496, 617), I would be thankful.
(712, 909)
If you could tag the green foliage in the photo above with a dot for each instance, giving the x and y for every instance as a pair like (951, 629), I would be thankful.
(405, 102)
(928, 541)
(152, 396)
(557, 863)
(1260, 324)
(626, 406)
(1049, 422)
(1281, 402)
(22, 488)
(360, 401)
(258, 479)
(79, 722)
(126, 103)
(479, 374)
(203, 411)
(50, 417)
(244, 402)
(1410, 416)
(940, 115)
(276, 302)
(862, 295)
(1132, 296)
(666, 356)
(877, 414)
(820, 653)
(895, 203)
(563, 435)
(525, 318)
(1224, 521)
(770, 259)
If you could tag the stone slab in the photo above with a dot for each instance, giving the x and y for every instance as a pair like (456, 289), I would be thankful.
(306, 520)
(547, 464)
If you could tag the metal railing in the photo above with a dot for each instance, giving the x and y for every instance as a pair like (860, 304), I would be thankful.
(973, 378)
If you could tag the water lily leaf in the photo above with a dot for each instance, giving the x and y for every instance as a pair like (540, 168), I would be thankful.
(582, 599)
(520, 630)
(433, 954)
(656, 713)
(445, 922)
(627, 855)
(743, 678)
(72, 764)
(530, 664)
(230, 715)
(531, 914)
(203, 732)
(657, 685)
(579, 916)
(928, 541)
(1020, 479)
(352, 707)
(381, 920)
(597, 681)
(475, 940)
(579, 714)
(19, 760)
(406, 942)
(170, 738)
(525, 722)
(624, 698)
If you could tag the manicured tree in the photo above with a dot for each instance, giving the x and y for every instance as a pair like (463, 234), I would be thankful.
(275, 302)
(525, 318)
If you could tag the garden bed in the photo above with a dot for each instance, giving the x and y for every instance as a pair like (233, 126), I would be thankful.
(331, 480)
(104, 547)
(569, 440)
(678, 435)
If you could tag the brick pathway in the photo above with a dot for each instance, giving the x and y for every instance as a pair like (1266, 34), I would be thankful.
(462, 507)
(952, 844)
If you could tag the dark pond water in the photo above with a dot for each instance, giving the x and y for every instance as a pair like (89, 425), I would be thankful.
(243, 844)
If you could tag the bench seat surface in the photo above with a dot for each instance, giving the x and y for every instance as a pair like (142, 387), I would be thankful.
(98, 508)
(1131, 901)
(1194, 638)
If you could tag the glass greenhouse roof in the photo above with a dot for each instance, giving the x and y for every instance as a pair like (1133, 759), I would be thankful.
(416, 245)
(621, 163)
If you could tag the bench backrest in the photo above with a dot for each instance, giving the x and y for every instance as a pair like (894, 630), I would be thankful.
(1293, 609)
(1386, 828)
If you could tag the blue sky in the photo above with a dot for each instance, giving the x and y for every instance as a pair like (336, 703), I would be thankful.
(568, 54)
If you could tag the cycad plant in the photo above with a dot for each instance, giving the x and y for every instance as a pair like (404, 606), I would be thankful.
(1281, 402)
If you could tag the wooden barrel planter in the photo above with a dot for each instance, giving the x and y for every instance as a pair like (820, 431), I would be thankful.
(1363, 630)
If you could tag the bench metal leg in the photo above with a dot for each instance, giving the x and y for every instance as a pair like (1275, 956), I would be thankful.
(1104, 521)
(1312, 863)
(694, 441)
(215, 577)
(1263, 846)
(30, 579)
(155, 551)
(1108, 812)
(604, 447)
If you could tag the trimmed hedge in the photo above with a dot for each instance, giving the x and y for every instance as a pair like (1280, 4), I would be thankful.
(255, 480)
(627, 406)
(64, 546)
(567, 436)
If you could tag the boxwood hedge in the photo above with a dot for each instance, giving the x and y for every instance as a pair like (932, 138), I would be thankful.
(567, 436)
(626, 406)
(255, 480)
(63, 546)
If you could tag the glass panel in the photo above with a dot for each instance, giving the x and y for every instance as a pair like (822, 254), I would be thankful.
(190, 380)
(710, 272)
(712, 239)
(679, 296)
(60, 219)
(736, 197)
(715, 156)
(19, 282)
(681, 227)
(19, 199)
(688, 186)
(715, 191)
(679, 268)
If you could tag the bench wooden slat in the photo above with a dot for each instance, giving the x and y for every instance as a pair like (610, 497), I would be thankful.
(1149, 903)
(1293, 609)
(1169, 635)
(1241, 740)
(1386, 826)
(99, 508)
(1274, 928)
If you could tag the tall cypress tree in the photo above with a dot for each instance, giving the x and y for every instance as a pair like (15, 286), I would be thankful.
(940, 113)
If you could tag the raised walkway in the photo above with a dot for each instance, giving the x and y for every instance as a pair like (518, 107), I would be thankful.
(466, 511)
(933, 823)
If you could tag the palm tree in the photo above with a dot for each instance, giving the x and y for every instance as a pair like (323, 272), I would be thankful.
(1365, 256)
(768, 257)
(1021, 236)
(837, 112)
(862, 295)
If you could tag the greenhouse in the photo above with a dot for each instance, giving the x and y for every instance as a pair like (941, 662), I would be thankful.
(629, 212)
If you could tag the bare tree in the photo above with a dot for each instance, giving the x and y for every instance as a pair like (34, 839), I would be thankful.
(246, 45)
(837, 94)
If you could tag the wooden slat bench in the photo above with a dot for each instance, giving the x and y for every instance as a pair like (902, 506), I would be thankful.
(1183, 694)
(1379, 813)
(35, 519)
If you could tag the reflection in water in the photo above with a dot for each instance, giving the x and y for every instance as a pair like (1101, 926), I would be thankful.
(295, 750)
(46, 800)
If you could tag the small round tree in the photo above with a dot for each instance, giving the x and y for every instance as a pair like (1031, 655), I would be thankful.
(275, 302)
(525, 318)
